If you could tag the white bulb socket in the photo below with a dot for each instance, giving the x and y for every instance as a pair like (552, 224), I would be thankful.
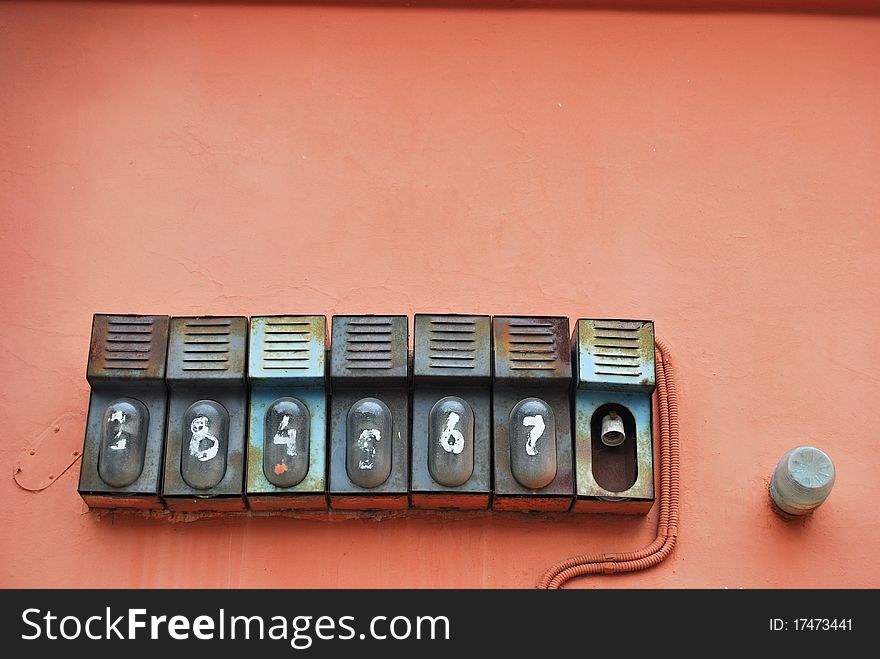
(613, 433)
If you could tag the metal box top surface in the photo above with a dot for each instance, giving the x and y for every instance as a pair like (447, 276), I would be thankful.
(369, 348)
(127, 347)
(207, 349)
(615, 355)
(452, 346)
(532, 348)
(287, 350)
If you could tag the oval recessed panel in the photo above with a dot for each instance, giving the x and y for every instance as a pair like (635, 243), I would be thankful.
(368, 443)
(451, 441)
(533, 443)
(123, 442)
(205, 441)
(615, 467)
(286, 442)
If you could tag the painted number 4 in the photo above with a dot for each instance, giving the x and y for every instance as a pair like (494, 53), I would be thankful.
(285, 435)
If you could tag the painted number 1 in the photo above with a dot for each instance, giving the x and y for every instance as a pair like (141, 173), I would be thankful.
(121, 438)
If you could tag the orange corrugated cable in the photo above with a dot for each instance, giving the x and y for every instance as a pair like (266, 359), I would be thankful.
(667, 524)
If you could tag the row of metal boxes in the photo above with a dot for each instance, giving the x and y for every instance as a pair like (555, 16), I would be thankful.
(211, 413)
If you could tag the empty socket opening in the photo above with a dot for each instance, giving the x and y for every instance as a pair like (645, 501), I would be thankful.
(614, 467)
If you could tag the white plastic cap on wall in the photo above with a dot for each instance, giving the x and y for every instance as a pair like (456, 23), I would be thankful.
(802, 480)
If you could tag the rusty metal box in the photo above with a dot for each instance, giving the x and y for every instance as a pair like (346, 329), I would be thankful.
(531, 410)
(207, 412)
(369, 419)
(452, 412)
(614, 441)
(122, 451)
(287, 430)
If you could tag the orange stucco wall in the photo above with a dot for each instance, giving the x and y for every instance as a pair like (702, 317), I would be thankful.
(717, 172)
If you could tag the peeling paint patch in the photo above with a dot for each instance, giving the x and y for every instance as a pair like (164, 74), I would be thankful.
(367, 443)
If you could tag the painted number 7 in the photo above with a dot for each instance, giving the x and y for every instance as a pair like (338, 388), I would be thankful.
(536, 423)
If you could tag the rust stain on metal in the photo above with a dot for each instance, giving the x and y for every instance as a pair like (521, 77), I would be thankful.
(125, 345)
(530, 347)
(550, 514)
(287, 366)
(616, 372)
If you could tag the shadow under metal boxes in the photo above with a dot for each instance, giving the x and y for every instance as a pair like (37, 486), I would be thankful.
(369, 420)
(287, 431)
(207, 411)
(532, 423)
(616, 378)
(452, 412)
(122, 450)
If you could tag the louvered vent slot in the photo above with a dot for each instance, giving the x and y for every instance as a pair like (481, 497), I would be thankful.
(616, 347)
(532, 346)
(368, 343)
(452, 343)
(129, 343)
(206, 344)
(286, 344)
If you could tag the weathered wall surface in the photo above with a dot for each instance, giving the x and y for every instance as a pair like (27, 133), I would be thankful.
(714, 172)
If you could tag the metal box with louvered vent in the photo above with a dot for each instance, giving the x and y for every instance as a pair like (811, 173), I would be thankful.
(122, 451)
(531, 411)
(369, 418)
(614, 441)
(207, 414)
(287, 429)
(452, 412)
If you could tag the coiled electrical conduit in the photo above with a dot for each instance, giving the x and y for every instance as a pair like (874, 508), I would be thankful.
(667, 525)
